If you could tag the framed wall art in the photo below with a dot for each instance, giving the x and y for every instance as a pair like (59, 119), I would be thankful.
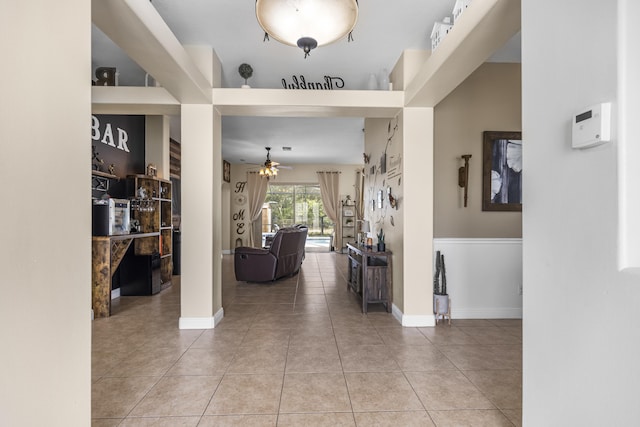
(380, 199)
(502, 171)
(226, 171)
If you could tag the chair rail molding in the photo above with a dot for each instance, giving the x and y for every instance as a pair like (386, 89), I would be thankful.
(484, 276)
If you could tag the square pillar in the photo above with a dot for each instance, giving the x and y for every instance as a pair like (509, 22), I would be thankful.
(201, 225)
(418, 139)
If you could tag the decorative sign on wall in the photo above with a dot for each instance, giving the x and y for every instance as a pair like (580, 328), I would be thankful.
(238, 216)
(328, 83)
(118, 141)
(105, 76)
(395, 165)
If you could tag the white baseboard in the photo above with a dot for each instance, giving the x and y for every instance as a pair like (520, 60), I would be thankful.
(419, 320)
(115, 293)
(201, 322)
(413, 321)
(395, 311)
(218, 316)
(486, 313)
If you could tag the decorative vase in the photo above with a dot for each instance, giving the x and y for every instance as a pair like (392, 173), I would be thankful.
(381, 247)
(372, 84)
(384, 80)
(440, 304)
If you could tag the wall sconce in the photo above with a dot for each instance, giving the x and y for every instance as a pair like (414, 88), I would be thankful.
(463, 176)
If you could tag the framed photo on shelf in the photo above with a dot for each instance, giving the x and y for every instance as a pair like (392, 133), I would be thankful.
(502, 171)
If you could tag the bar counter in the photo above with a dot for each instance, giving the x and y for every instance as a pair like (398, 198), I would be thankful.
(106, 254)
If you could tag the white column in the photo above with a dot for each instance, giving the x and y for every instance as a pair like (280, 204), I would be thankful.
(201, 181)
(417, 126)
(45, 249)
(218, 215)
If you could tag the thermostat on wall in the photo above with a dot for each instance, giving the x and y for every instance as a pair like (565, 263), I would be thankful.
(592, 126)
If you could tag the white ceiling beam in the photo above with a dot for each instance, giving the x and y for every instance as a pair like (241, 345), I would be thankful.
(480, 31)
(137, 28)
(308, 103)
(133, 100)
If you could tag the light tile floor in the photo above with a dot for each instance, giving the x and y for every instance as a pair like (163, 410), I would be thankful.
(299, 352)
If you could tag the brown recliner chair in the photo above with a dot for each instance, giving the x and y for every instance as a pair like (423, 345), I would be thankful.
(283, 258)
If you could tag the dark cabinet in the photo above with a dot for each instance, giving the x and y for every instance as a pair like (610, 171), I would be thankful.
(140, 274)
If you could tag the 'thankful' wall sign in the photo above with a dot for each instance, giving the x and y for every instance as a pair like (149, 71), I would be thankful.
(328, 83)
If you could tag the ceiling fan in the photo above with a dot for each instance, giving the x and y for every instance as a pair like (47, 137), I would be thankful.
(270, 168)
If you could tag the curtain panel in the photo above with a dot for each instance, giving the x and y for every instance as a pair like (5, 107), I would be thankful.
(330, 193)
(257, 188)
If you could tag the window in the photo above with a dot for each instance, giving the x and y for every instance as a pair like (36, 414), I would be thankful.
(289, 204)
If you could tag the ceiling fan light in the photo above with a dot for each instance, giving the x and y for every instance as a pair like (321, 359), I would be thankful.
(269, 169)
(323, 21)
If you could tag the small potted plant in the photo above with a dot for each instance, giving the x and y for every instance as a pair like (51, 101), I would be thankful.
(440, 296)
(381, 245)
(245, 71)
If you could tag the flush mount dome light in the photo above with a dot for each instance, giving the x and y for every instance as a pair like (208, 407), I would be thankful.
(307, 23)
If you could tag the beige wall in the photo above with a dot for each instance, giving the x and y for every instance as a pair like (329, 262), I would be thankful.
(45, 255)
(156, 146)
(300, 174)
(377, 133)
(490, 99)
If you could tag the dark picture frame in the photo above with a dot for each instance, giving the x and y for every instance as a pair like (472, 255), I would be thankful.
(502, 171)
(226, 171)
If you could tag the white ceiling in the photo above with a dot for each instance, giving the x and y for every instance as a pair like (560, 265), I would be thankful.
(383, 31)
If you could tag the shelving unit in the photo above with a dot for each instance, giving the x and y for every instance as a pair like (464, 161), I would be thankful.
(100, 182)
(151, 207)
(348, 221)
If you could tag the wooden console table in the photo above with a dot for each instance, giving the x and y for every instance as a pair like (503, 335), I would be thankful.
(370, 275)
(106, 254)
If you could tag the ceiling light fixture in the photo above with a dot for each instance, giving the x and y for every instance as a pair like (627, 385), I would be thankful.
(269, 169)
(307, 23)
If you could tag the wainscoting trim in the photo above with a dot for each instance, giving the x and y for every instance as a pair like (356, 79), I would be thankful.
(484, 277)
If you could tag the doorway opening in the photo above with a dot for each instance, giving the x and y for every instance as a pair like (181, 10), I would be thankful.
(288, 204)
